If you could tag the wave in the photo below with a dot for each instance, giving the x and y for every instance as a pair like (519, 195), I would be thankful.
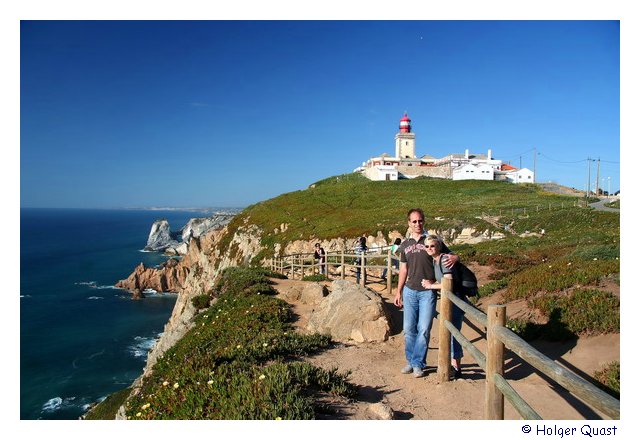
(58, 403)
(25, 296)
(94, 285)
(142, 345)
(96, 297)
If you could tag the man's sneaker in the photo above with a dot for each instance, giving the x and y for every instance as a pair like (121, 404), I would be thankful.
(457, 374)
(417, 372)
(407, 369)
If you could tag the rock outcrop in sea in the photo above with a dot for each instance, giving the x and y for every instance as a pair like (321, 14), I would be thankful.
(161, 239)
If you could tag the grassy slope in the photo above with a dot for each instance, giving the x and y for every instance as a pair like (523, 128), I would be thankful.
(580, 248)
(350, 205)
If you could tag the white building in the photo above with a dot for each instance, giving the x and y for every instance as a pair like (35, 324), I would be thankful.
(523, 175)
(381, 172)
(472, 171)
(468, 166)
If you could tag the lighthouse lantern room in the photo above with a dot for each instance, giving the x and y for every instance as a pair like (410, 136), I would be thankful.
(405, 140)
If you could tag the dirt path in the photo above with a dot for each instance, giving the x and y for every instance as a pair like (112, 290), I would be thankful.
(375, 369)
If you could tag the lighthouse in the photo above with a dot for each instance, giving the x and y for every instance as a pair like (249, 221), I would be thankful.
(405, 140)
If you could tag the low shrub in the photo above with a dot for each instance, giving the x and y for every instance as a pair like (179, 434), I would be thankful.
(527, 330)
(107, 409)
(597, 252)
(557, 275)
(585, 311)
(316, 277)
(201, 301)
(608, 379)
(492, 287)
(238, 362)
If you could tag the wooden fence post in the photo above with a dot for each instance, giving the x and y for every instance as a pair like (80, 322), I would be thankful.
(342, 265)
(389, 273)
(494, 399)
(293, 273)
(444, 335)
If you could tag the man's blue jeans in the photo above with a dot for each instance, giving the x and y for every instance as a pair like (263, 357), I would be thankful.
(419, 310)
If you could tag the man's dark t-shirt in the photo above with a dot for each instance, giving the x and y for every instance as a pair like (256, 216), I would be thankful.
(419, 263)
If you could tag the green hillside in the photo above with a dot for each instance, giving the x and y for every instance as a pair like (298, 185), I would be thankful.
(557, 273)
(350, 205)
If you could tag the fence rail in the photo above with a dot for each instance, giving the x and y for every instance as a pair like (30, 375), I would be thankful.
(498, 338)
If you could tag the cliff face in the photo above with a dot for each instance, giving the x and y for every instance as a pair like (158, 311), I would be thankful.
(194, 275)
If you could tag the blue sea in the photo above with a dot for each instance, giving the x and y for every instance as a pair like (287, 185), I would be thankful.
(81, 338)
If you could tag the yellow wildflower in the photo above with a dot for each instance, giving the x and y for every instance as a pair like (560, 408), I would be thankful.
(165, 383)
(265, 345)
(175, 385)
(210, 382)
(138, 414)
(278, 418)
(262, 377)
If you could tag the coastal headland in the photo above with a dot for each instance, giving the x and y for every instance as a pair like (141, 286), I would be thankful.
(535, 251)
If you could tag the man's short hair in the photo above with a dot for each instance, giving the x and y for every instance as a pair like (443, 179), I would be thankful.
(418, 210)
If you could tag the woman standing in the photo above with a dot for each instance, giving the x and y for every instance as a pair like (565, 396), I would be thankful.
(434, 248)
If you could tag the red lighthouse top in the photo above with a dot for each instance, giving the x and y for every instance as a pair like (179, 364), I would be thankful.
(405, 124)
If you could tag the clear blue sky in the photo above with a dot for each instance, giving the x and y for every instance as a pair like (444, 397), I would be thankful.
(228, 113)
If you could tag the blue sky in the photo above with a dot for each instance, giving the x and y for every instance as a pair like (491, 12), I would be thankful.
(228, 113)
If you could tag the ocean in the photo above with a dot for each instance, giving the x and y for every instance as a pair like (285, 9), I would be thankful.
(80, 337)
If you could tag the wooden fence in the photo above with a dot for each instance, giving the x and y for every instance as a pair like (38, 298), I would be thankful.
(338, 263)
(498, 336)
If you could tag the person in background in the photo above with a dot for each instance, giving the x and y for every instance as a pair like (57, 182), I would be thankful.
(434, 246)
(396, 263)
(321, 258)
(419, 303)
(360, 249)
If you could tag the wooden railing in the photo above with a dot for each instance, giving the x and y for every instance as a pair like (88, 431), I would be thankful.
(498, 338)
(303, 264)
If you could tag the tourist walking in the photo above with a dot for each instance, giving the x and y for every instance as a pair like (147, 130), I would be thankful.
(396, 263)
(360, 249)
(419, 303)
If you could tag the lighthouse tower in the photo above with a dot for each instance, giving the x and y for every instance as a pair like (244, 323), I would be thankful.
(405, 140)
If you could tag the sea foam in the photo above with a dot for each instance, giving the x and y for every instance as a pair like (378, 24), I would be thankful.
(142, 346)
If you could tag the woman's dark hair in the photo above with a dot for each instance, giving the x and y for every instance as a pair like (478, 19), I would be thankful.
(363, 241)
(398, 241)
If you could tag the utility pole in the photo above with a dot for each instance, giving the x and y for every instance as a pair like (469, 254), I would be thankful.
(588, 176)
(534, 164)
(609, 190)
(598, 179)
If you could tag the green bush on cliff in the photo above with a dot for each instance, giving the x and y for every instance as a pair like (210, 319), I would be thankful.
(238, 362)
(201, 301)
(608, 379)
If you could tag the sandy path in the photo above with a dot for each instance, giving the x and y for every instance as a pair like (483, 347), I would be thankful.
(375, 368)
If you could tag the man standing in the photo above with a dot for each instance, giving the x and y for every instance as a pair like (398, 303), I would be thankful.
(419, 304)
